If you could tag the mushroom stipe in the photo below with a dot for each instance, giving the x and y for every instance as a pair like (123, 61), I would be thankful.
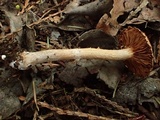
(136, 51)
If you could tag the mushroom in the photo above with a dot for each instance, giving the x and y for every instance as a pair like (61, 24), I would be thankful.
(135, 49)
(141, 61)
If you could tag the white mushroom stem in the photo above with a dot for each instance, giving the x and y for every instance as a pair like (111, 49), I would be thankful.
(32, 58)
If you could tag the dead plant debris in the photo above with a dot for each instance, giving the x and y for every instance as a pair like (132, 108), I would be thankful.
(80, 84)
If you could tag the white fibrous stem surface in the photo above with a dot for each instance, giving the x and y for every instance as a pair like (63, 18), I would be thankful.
(32, 58)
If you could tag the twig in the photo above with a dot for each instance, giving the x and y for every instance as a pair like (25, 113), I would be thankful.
(34, 93)
(147, 113)
(120, 109)
(30, 25)
(24, 7)
(72, 113)
(133, 13)
(59, 9)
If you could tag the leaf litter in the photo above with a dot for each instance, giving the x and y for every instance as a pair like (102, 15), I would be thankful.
(81, 88)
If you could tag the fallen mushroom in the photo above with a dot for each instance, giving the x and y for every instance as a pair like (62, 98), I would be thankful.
(141, 62)
(136, 51)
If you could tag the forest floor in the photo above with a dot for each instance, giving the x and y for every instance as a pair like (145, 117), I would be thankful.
(88, 77)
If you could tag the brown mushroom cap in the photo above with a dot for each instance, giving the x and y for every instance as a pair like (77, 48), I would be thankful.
(142, 61)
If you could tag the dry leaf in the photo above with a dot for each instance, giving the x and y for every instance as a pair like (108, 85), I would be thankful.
(74, 23)
(76, 71)
(110, 73)
(105, 25)
(96, 39)
(72, 5)
(110, 25)
(9, 102)
(146, 15)
(96, 8)
(143, 91)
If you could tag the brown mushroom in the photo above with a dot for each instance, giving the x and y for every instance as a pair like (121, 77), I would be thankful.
(136, 51)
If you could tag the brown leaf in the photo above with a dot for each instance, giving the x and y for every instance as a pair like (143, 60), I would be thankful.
(111, 26)
(147, 14)
(106, 23)
(110, 73)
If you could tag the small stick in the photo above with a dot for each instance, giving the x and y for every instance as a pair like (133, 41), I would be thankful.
(73, 113)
